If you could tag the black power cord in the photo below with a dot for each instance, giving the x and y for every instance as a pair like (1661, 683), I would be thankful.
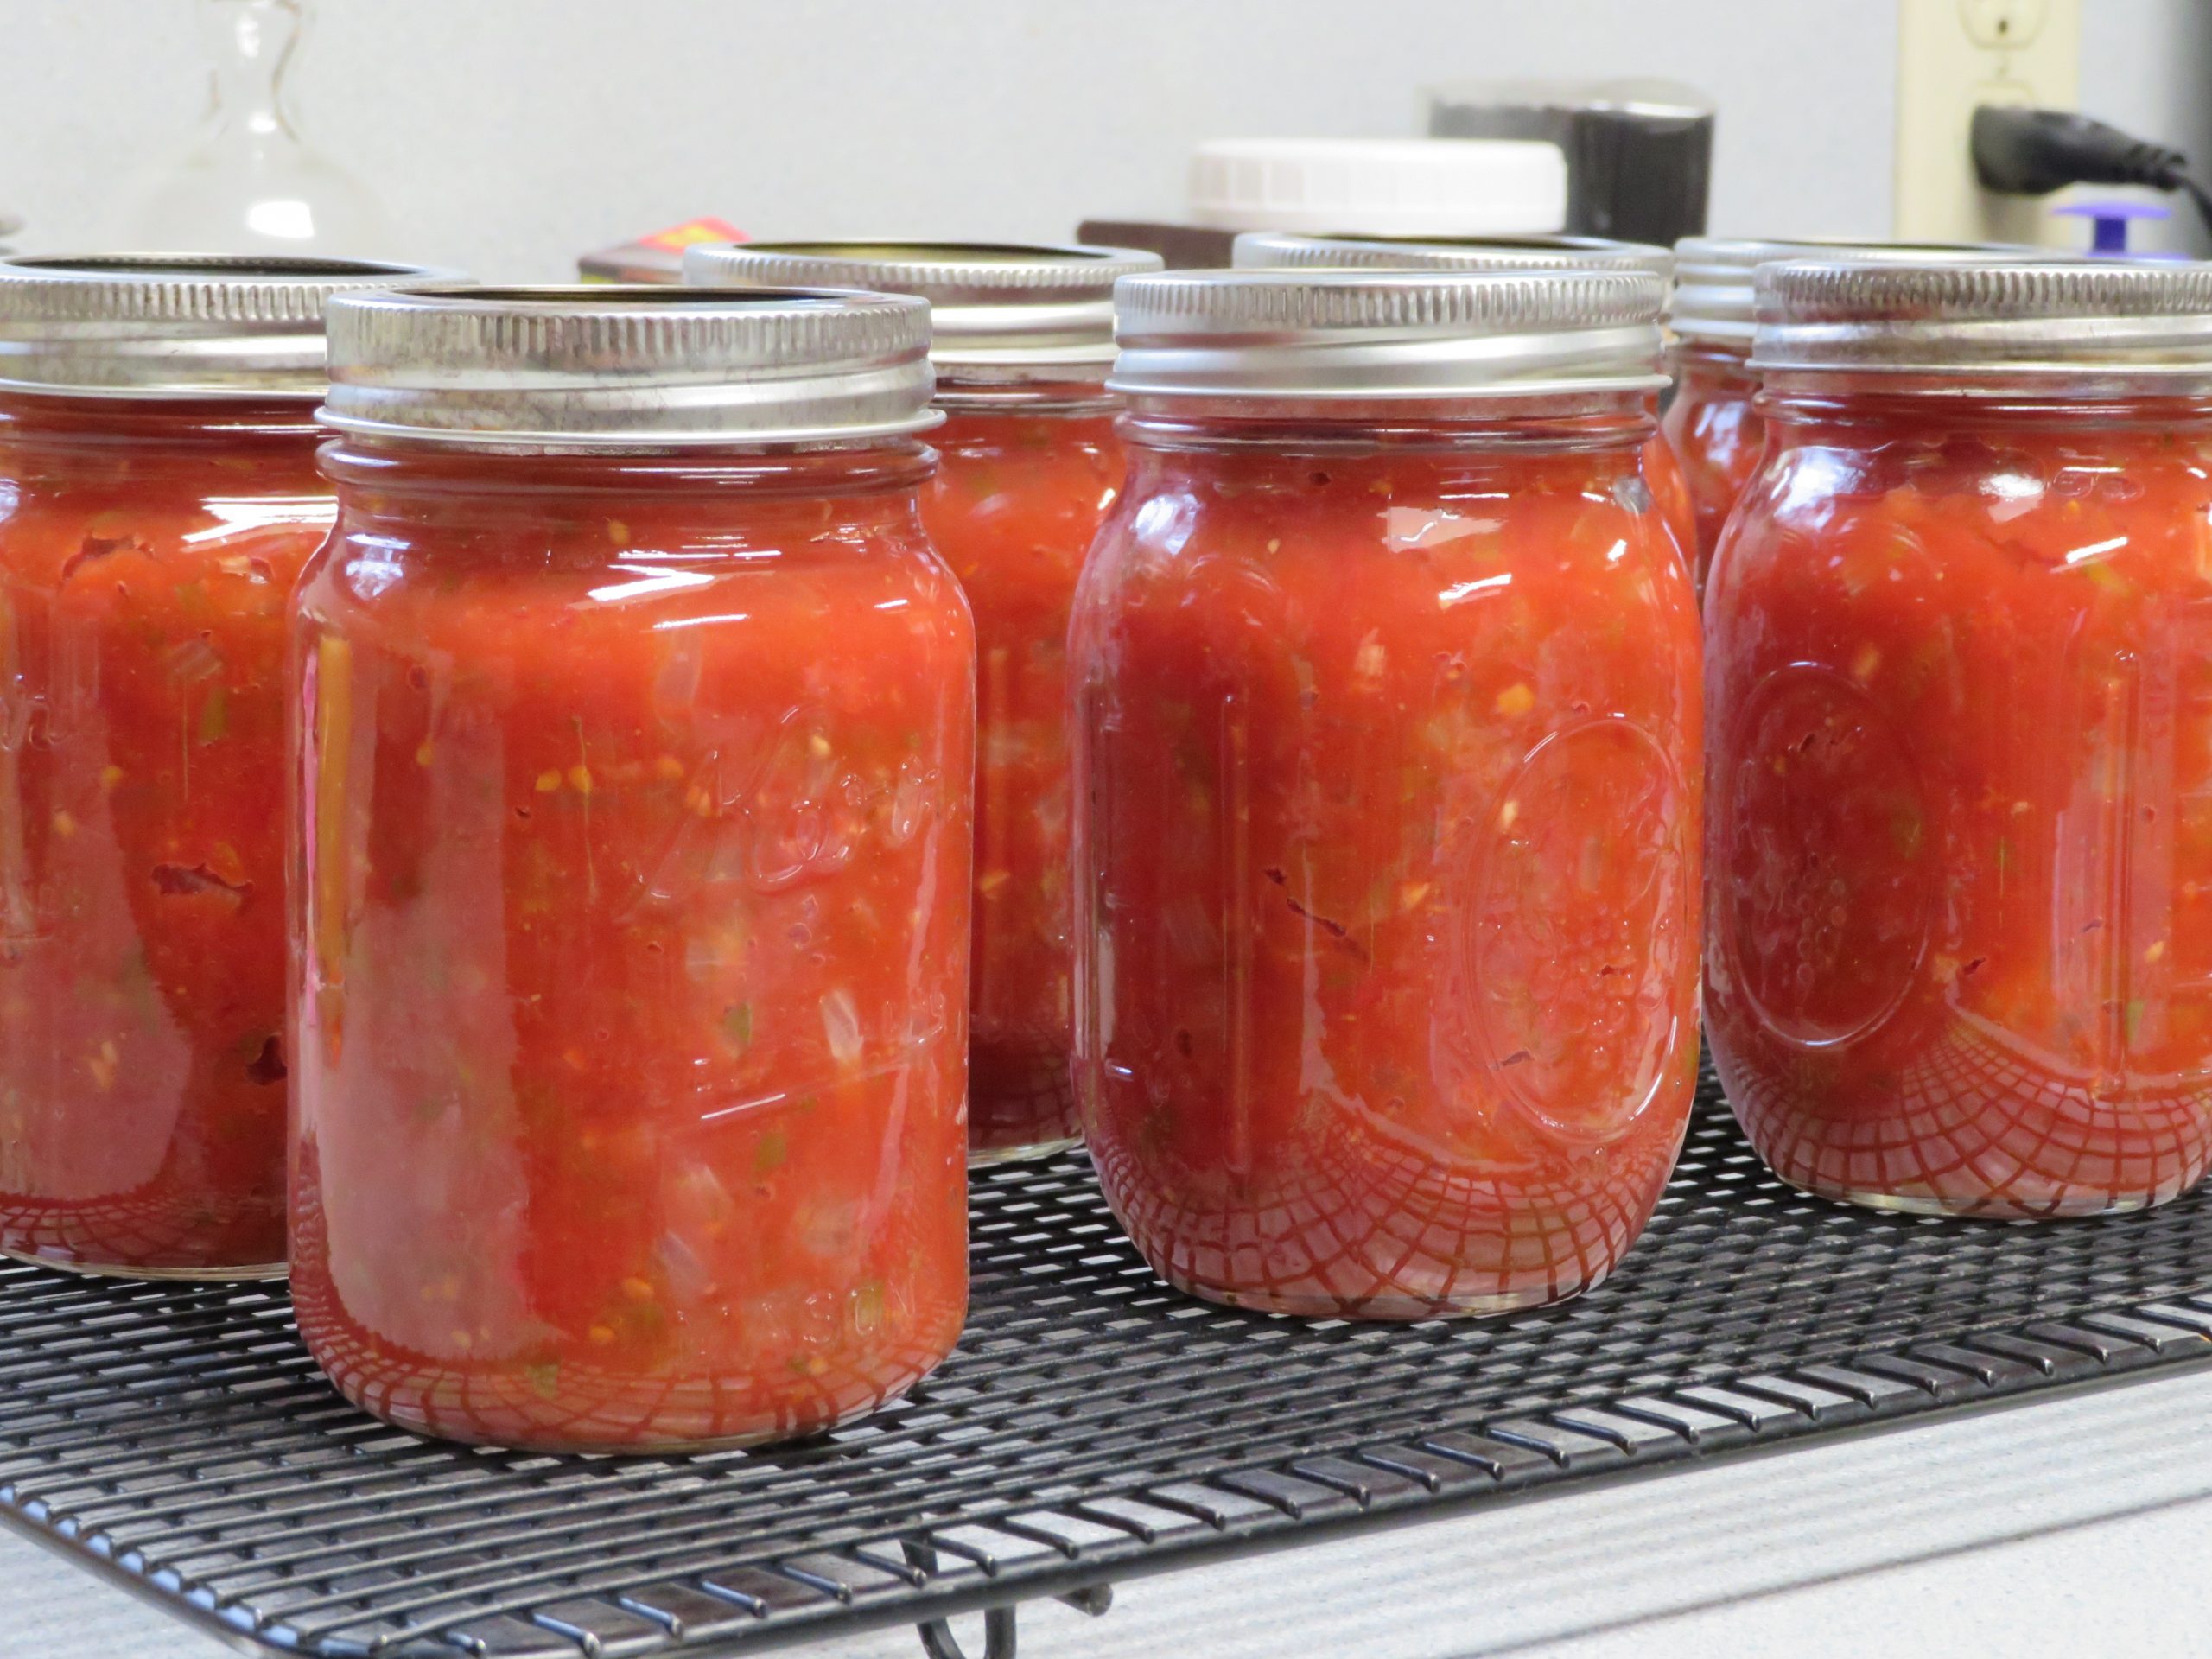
(2025, 152)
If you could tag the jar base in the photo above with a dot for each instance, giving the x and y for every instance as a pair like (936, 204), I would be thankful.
(1404, 1310)
(987, 1157)
(547, 1445)
(1919, 1204)
(185, 1275)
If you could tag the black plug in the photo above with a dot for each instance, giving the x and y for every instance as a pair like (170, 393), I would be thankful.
(2033, 152)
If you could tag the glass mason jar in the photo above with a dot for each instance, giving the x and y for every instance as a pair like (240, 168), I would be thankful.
(1028, 465)
(1283, 251)
(1386, 829)
(629, 925)
(1960, 685)
(1713, 422)
(157, 496)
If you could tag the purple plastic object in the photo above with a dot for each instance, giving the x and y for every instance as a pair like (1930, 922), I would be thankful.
(2110, 220)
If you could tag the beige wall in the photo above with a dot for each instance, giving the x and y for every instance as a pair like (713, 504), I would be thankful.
(510, 134)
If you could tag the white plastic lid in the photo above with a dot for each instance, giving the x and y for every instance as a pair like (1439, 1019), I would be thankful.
(1392, 187)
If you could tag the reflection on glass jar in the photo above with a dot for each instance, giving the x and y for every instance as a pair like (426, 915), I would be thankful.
(632, 922)
(1387, 835)
(155, 508)
(1960, 693)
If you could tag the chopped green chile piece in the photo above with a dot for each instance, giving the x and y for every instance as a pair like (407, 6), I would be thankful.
(216, 716)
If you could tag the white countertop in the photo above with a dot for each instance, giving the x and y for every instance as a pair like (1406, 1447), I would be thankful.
(2078, 1523)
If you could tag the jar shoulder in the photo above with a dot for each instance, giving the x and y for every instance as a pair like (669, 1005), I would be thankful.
(1325, 545)
(1972, 519)
(256, 525)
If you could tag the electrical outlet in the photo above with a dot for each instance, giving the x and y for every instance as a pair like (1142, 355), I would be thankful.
(1951, 56)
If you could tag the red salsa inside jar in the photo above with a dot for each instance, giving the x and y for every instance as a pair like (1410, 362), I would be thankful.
(144, 564)
(1029, 464)
(1015, 506)
(633, 936)
(1388, 742)
(1715, 437)
(148, 537)
(1963, 941)
(1961, 680)
(1668, 481)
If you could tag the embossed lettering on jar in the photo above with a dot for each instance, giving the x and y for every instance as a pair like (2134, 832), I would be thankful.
(635, 748)
(158, 495)
(1028, 466)
(1960, 699)
(1386, 837)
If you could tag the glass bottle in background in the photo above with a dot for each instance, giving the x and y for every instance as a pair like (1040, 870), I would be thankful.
(248, 183)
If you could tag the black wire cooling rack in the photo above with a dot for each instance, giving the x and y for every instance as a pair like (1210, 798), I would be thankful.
(1093, 1425)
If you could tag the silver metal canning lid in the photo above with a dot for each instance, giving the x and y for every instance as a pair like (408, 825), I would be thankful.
(992, 305)
(1387, 334)
(1714, 300)
(603, 365)
(176, 325)
(2152, 318)
(1284, 251)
